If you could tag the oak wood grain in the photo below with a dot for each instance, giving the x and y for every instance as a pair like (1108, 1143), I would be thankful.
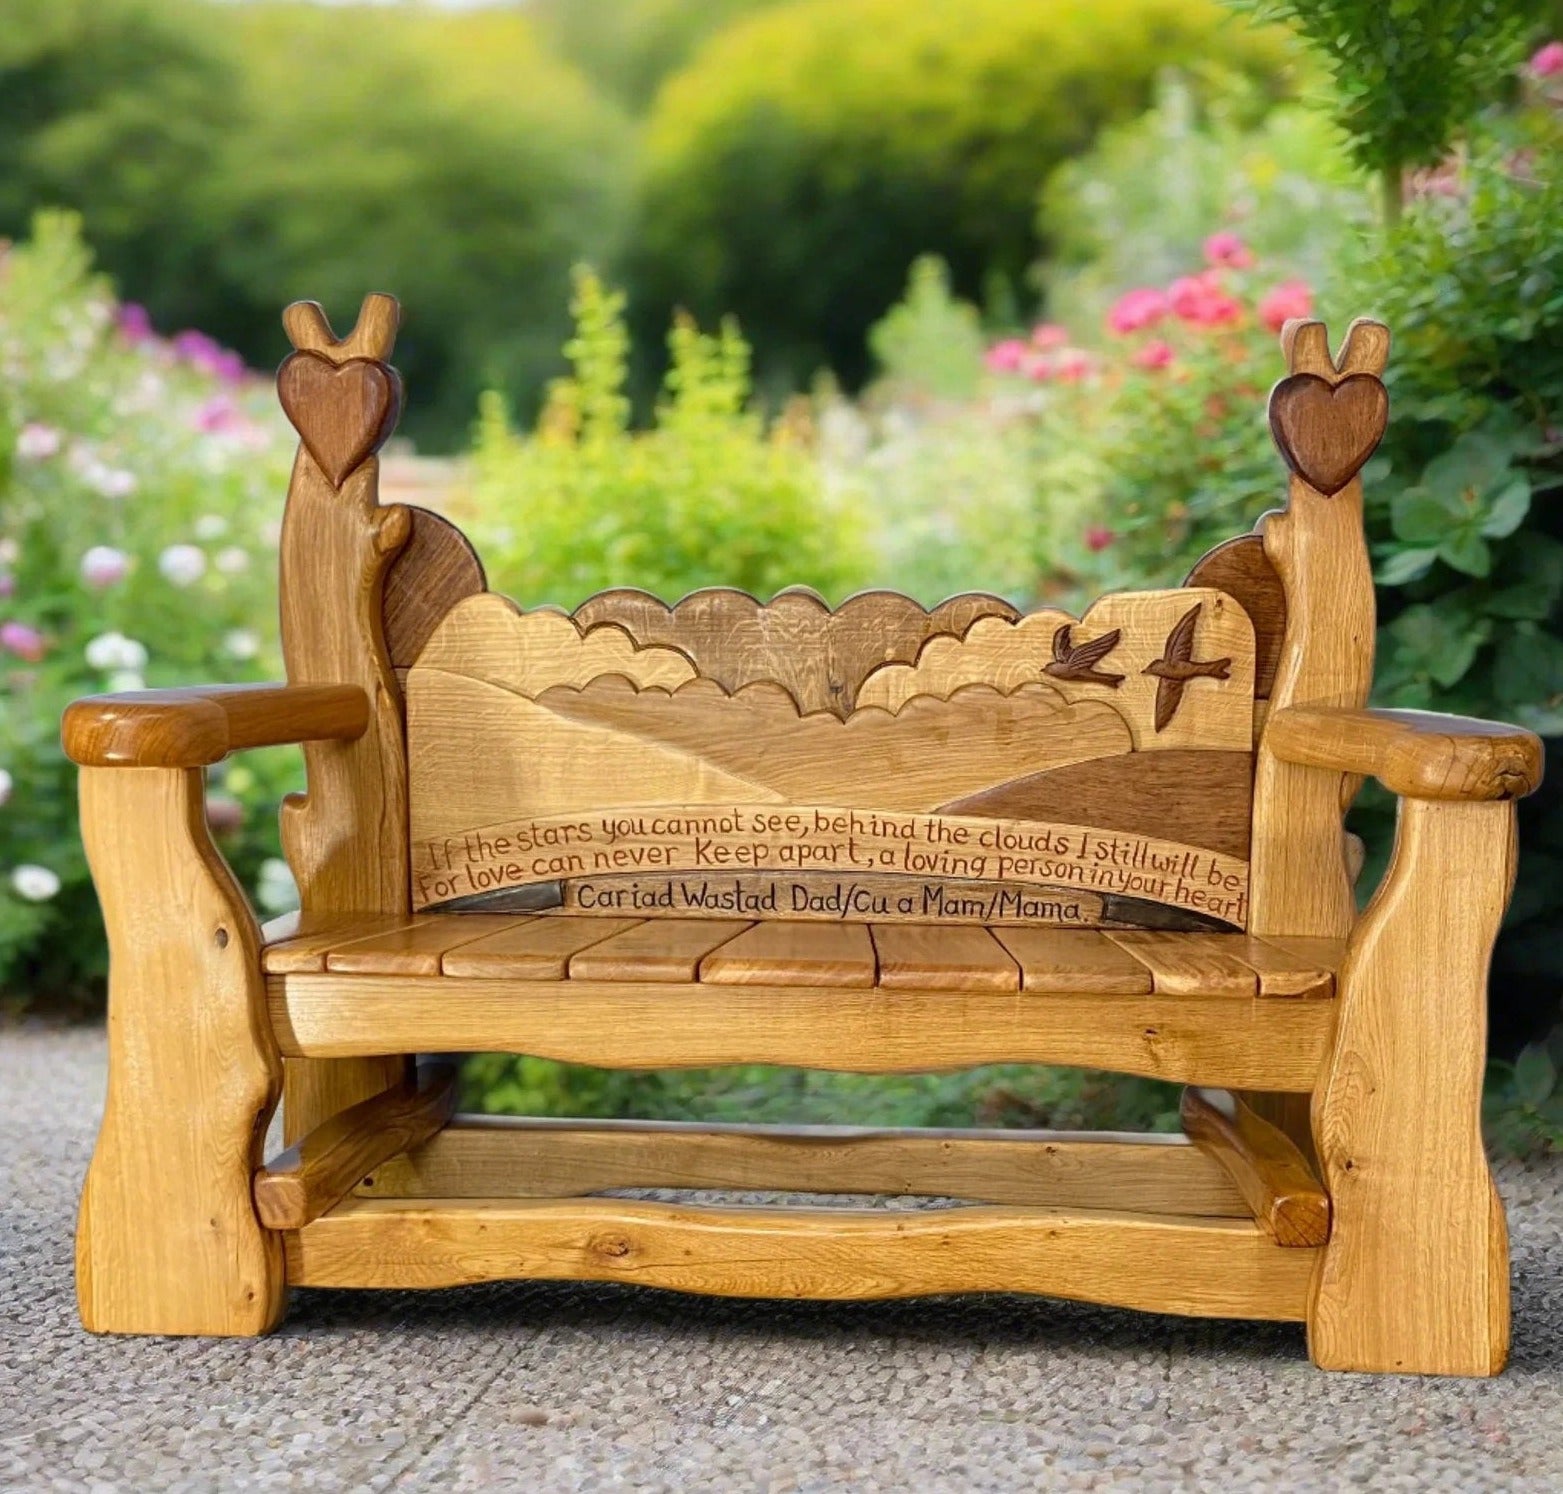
(200, 725)
(928, 957)
(319, 1171)
(1415, 1277)
(167, 1240)
(416, 949)
(1197, 1267)
(1224, 1042)
(661, 949)
(1241, 568)
(1286, 1198)
(1073, 962)
(811, 954)
(1418, 754)
(512, 1157)
(1188, 964)
(435, 570)
(532, 948)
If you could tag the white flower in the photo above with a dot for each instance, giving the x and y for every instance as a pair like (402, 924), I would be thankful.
(5, 785)
(241, 644)
(275, 889)
(103, 566)
(35, 883)
(111, 482)
(10, 551)
(115, 651)
(37, 441)
(210, 527)
(183, 565)
(231, 560)
(123, 680)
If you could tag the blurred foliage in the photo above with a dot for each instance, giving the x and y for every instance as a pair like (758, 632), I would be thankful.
(1138, 206)
(229, 161)
(709, 495)
(998, 1095)
(627, 47)
(1410, 76)
(806, 156)
(139, 482)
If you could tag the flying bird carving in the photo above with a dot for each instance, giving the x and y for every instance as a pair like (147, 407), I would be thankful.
(1072, 663)
(1178, 666)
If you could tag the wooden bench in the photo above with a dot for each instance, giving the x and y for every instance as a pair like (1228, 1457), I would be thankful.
(878, 838)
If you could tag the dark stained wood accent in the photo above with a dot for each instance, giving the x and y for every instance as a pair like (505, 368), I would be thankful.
(1326, 431)
(1272, 1175)
(1072, 662)
(1241, 568)
(322, 1169)
(1183, 794)
(819, 656)
(1178, 666)
(201, 725)
(343, 411)
(436, 569)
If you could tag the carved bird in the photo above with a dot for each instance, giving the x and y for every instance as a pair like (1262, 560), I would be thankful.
(1072, 663)
(1178, 666)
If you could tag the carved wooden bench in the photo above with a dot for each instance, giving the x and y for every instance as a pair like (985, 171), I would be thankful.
(877, 838)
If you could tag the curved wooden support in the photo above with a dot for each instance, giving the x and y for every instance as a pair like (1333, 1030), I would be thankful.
(1415, 1276)
(346, 838)
(198, 726)
(1270, 1172)
(168, 1241)
(323, 1168)
(1416, 754)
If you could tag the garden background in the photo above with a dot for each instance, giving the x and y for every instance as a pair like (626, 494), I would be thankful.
(770, 291)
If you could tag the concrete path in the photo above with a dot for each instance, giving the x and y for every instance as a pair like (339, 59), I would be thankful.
(563, 1387)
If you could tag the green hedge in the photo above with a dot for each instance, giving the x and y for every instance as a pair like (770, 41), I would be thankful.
(807, 155)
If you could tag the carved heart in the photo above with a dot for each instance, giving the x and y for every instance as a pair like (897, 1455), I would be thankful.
(343, 412)
(1327, 431)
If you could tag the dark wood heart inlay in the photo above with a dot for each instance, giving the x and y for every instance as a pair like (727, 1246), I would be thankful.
(343, 412)
(1327, 431)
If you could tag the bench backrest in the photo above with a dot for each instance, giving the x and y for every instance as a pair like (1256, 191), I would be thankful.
(724, 757)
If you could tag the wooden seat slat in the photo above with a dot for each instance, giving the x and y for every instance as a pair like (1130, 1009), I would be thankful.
(419, 948)
(536, 949)
(298, 943)
(668, 949)
(1074, 962)
(916, 956)
(812, 954)
(1189, 964)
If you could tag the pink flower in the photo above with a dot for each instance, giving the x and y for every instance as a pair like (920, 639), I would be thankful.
(1226, 249)
(1136, 309)
(35, 441)
(202, 352)
(1038, 367)
(1072, 365)
(1155, 354)
(104, 566)
(1048, 335)
(135, 324)
(1098, 538)
(217, 415)
(1006, 356)
(19, 639)
(1289, 299)
(1200, 300)
(1548, 61)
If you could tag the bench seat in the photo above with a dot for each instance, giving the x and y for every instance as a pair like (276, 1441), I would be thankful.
(850, 956)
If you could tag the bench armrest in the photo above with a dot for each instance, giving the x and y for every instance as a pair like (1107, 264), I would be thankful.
(192, 728)
(1416, 754)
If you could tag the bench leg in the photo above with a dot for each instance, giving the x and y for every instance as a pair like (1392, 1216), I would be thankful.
(1415, 1278)
(167, 1240)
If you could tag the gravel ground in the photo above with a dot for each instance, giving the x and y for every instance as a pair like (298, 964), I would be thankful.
(554, 1386)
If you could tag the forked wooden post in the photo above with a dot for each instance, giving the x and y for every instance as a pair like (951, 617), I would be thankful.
(168, 1241)
(346, 837)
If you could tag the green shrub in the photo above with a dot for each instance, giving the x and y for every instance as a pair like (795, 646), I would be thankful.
(807, 155)
(140, 485)
(710, 495)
